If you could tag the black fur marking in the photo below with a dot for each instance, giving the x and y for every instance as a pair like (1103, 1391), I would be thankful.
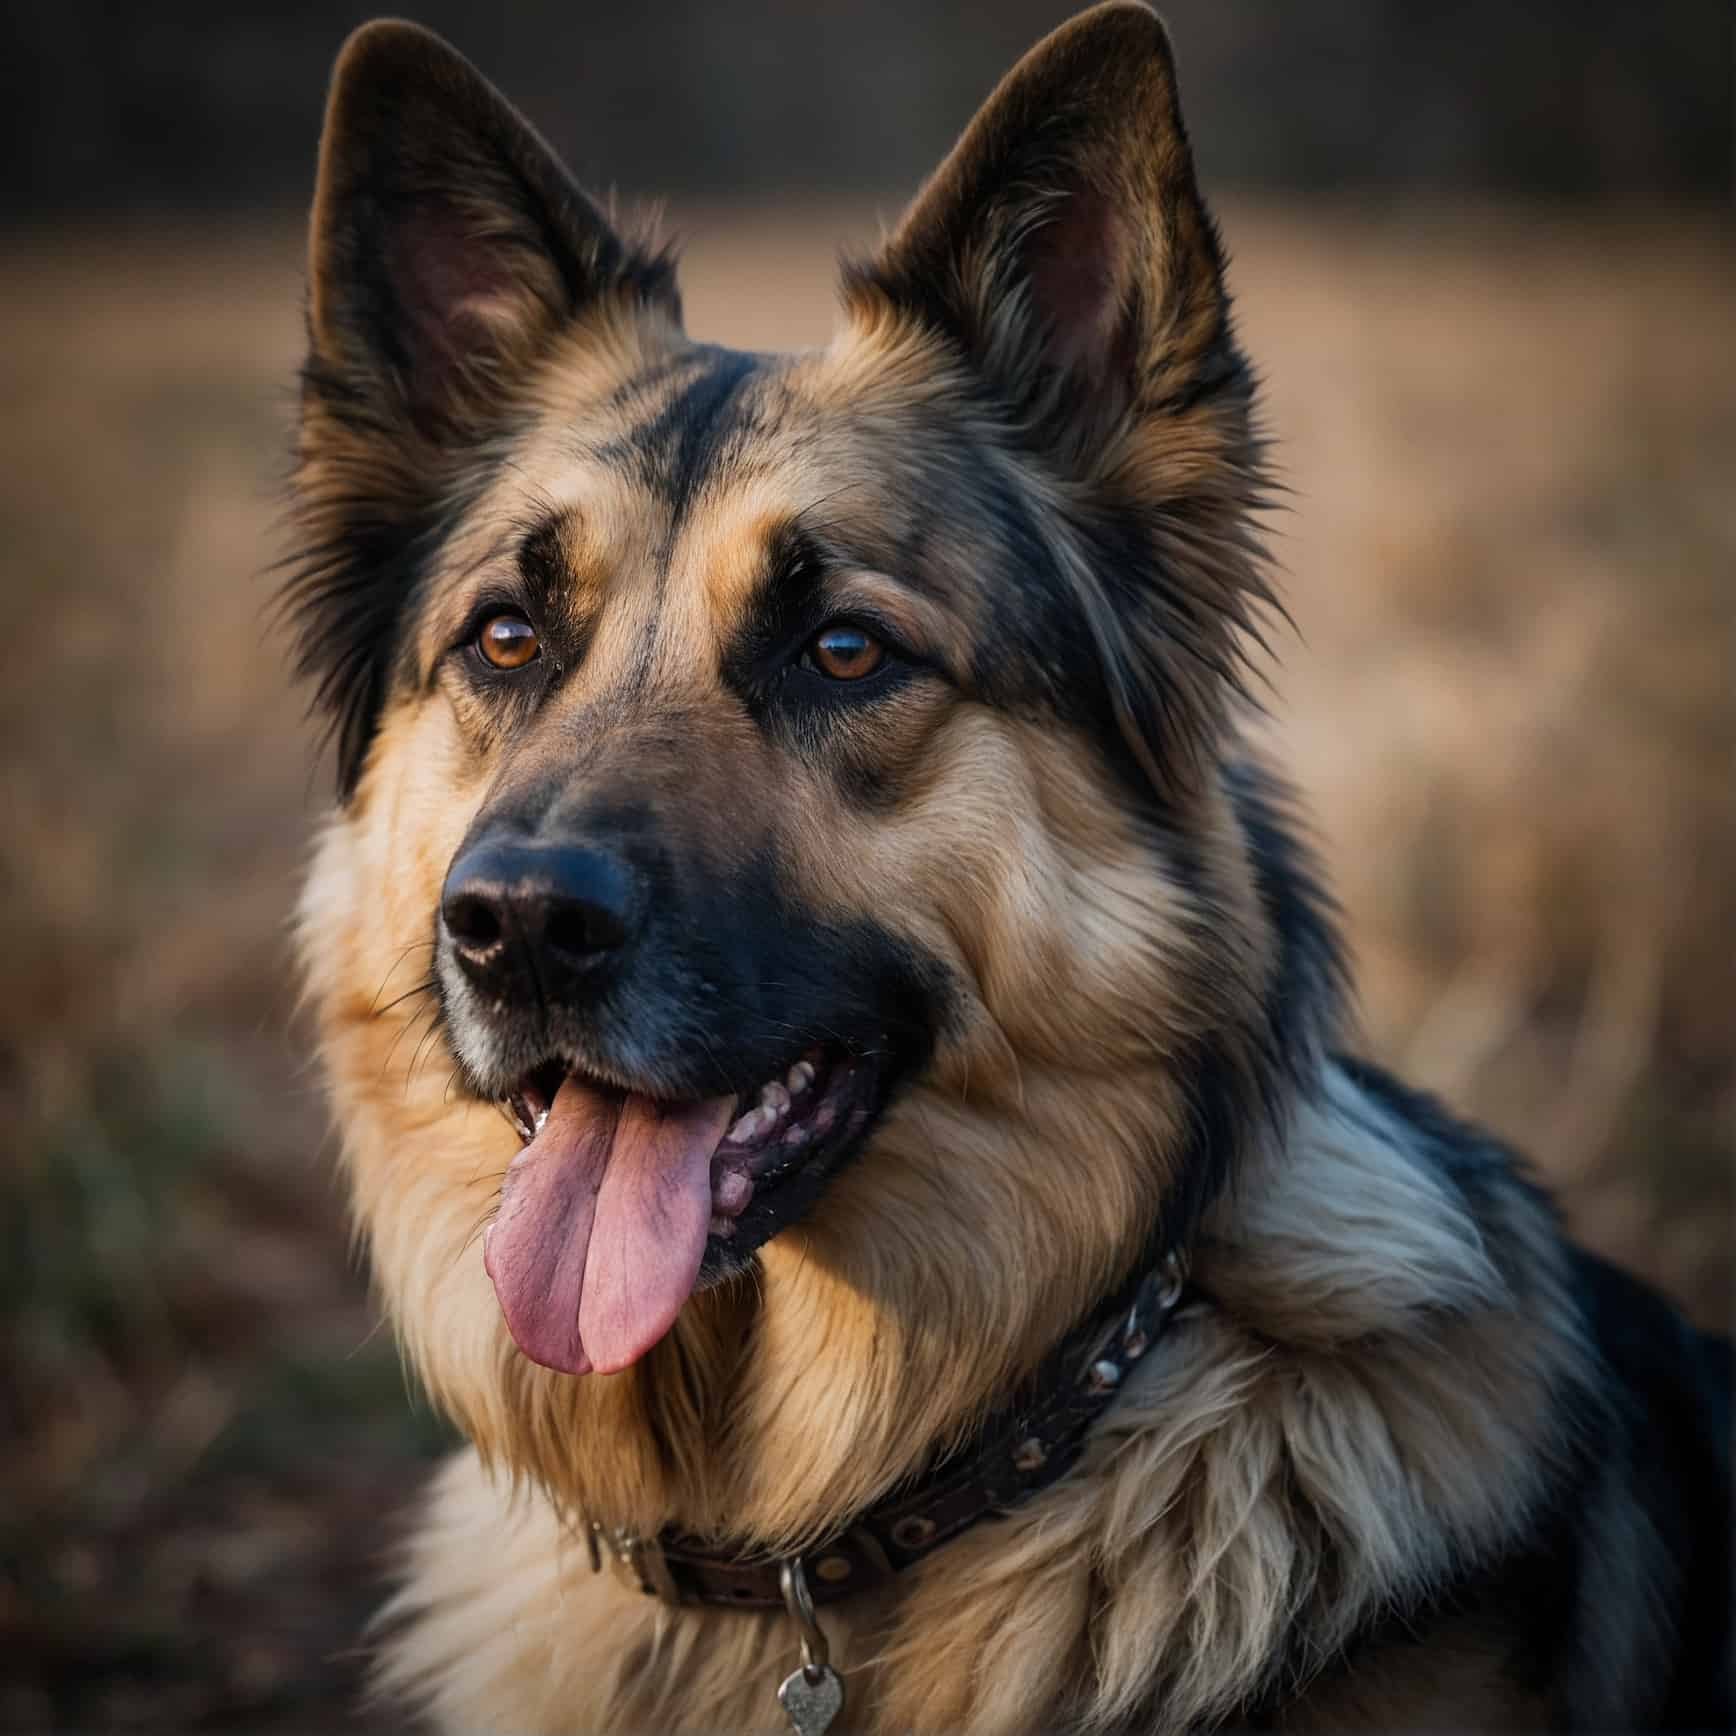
(728, 977)
(787, 607)
(542, 554)
(1241, 1083)
(672, 452)
(1653, 1427)
(881, 995)
(648, 381)
(1304, 1007)
(350, 587)
(1224, 1105)
(1677, 1382)
(546, 578)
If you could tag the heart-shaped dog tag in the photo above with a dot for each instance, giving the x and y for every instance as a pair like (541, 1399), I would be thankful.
(811, 1699)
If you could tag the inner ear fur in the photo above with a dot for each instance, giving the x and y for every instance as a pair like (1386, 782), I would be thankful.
(447, 241)
(1063, 244)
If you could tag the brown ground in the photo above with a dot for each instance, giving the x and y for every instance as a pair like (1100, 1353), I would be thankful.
(1512, 560)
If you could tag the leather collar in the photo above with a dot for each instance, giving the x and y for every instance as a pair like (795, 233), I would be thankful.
(1020, 1450)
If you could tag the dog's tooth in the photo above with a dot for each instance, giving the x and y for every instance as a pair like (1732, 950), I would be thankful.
(731, 1191)
(799, 1078)
(795, 1137)
(753, 1126)
(774, 1097)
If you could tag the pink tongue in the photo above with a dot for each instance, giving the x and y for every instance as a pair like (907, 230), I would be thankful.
(602, 1224)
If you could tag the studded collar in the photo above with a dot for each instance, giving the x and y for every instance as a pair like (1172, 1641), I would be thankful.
(1020, 1450)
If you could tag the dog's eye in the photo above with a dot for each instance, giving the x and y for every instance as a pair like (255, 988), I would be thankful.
(844, 653)
(507, 641)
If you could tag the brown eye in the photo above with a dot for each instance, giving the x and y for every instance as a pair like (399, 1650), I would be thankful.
(507, 641)
(845, 653)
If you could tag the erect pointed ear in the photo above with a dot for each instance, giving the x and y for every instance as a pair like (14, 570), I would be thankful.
(447, 242)
(448, 249)
(1065, 253)
(1063, 244)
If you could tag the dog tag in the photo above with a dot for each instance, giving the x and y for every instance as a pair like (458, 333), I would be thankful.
(812, 1700)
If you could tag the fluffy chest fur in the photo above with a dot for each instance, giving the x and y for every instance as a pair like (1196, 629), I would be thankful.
(1373, 1397)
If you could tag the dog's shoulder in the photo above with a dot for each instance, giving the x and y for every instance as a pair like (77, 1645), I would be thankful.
(1510, 1459)
(1671, 1407)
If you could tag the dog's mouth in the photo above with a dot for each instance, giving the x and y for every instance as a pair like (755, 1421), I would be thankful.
(620, 1203)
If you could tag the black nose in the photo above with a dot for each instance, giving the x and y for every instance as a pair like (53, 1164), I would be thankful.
(539, 920)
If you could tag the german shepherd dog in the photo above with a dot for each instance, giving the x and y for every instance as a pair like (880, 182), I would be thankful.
(804, 794)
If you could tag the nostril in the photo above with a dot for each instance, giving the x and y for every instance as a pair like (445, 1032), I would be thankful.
(578, 926)
(526, 917)
(472, 920)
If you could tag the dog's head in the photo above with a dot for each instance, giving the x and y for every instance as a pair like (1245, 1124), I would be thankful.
(803, 771)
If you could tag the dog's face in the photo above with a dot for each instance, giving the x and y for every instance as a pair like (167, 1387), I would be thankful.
(765, 748)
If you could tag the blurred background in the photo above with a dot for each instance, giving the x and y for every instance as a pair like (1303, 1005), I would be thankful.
(1485, 259)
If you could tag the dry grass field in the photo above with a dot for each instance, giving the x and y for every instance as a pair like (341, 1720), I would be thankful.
(1509, 699)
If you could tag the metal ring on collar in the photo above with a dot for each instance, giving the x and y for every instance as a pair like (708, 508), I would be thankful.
(1175, 1279)
(799, 1602)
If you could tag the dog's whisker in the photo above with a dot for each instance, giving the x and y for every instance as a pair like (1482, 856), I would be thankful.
(423, 1048)
(408, 1025)
(393, 967)
(429, 987)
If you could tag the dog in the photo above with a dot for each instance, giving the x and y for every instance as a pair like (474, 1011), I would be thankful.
(838, 1047)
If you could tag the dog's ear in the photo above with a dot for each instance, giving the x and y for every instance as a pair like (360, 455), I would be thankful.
(1064, 251)
(447, 243)
(448, 250)
(1063, 244)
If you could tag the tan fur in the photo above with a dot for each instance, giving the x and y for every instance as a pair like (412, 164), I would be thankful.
(1003, 1102)
(1265, 1481)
